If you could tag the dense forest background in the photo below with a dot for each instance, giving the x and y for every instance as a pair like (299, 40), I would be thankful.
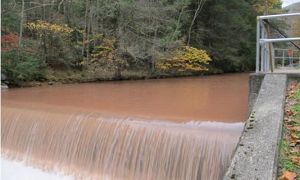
(87, 40)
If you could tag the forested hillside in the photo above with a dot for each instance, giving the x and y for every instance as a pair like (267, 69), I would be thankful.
(294, 21)
(87, 40)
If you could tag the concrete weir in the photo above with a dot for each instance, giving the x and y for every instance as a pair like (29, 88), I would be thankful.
(256, 154)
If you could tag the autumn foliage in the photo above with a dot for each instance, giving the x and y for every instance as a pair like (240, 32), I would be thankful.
(287, 175)
(9, 42)
(44, 26)
(185, 59)
(290, 144)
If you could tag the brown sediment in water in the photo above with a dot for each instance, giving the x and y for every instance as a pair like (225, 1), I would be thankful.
(62, 128)
(89, 146)
(218, 98)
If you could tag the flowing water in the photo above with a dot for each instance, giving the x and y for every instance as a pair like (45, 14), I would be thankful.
(185, 128)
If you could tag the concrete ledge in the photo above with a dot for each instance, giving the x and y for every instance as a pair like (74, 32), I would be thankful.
(256, 154)
(255, 82)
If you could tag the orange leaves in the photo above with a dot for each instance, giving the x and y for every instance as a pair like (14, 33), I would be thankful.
(9, 42)
(290, 149)
(290, 112)
(292, 89)
(287, 175)
(295, 128)
(296, 160)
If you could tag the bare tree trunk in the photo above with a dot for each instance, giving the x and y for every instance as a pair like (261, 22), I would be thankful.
(178, 22)
(60, 4)
(89, 27)
(85, 33)
(270, 46)
(200, 3)
(44, 10)
(21, 24)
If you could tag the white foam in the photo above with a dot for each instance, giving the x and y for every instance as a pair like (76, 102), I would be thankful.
(12, 170)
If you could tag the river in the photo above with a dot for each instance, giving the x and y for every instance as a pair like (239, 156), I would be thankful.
(177, 128)
(209, 98)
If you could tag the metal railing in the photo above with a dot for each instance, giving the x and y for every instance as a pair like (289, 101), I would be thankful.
(283, 59)
(265, 53)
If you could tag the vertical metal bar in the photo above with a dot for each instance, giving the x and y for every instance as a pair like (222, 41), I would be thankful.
(268, 57)
(262, 47)
(261, 57)
(282, 61)
(272, 57)
(265, 57)
(257, 44)
(292, 59)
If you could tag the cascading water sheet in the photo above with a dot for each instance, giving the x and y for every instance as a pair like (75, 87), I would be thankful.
(67, 131)
(89, 146)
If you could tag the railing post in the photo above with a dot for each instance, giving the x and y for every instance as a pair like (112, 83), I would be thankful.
(257, 44)
(265, 56)
(282, 59)
(262, 47)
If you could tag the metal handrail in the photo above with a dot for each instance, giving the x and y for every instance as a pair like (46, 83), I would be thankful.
(278, 15)
(263, 43)
(279, 40)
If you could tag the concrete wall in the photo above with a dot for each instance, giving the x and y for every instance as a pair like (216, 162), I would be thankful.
(255, 82)
(256, 154)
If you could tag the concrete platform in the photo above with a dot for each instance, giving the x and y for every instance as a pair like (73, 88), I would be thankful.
(287, 70)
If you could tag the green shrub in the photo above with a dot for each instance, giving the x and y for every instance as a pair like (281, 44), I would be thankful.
(21, 67)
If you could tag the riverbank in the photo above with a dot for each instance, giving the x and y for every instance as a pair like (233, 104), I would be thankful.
(289, 157)
(76, 76)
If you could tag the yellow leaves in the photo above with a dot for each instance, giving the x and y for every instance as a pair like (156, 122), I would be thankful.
(193, 54)
(272, 6)
(287, 175)
(186, 59)
(40, 25)
(105, 50)
(83, 62)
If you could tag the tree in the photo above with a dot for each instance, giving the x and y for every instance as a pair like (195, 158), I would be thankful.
(266, 6)
(200, 4)
(21, 23)
(228, 36)
(136, 35)
(9, 42)
(185, 59)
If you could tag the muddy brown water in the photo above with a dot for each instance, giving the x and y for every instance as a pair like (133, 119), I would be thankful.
(213, 98)
(184, 128)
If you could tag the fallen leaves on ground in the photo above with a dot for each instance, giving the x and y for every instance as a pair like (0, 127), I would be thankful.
(295, 128)
(290, 112)
(290, 150)
(296, 160)
(287, 175)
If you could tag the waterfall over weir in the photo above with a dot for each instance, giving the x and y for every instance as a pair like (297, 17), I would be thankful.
(92, 146)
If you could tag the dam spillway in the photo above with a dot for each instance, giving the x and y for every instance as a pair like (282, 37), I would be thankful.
(79, 131)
